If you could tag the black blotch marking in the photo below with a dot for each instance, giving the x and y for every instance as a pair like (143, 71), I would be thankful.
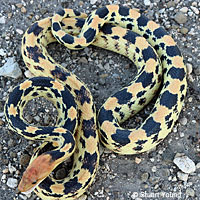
(142, 101)
(123, 96)
(90, 35)
(35, 29)
(155, 138)
(141, 93)
(61, 12)
(105, 115)
(49, 95)
(35, 53)
(60, 73)
(177, 73)
(168, 117)
(107, 29)
(102, 12)
(68, 39)
(182, 97)
(169, 124)
(149, 53)
(89, 162)
(15, 96)
(28, 90)
(77, 13)
(146, 36)
(121, 137)
(72, 186)
(83, 95)
(56, 26)
(151, 127)
(131, 36)
(159, 33)
(129, 26)
(168, 99)
(145, 78)
(142, 21)
(140, 142)
(173, 51)
(182, 88)
(124, 11)
(138, 148)
(35, 94)
(89, 128)
(39, 68)
(80, 23)
(82, 141)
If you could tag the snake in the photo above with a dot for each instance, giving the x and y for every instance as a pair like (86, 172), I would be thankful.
(79, 128)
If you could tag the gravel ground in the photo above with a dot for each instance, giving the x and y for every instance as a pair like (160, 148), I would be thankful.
(172, 170)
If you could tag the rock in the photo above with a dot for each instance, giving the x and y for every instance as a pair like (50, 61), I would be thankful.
(195, 10)
(2, 20)
(2, 52)
(183, 121)
(11, 69)
(184, 30)
(190, 192)
(180, 18)
(93, 1)
(23, 9)
(182, 176)
(144, 177)
(24, 160)
(185, 164)
(197, 71)
(12, 183)
(189, 68)
(147, 2)
(19, 31)
(184, 9)
(11, 168)
(28, 74)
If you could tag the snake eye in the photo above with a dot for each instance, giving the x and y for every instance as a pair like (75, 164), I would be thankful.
(34, 182)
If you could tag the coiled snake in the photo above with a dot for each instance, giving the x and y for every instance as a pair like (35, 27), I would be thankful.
(116, 28)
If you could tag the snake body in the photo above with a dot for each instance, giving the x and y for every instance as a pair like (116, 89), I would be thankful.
(118, 29)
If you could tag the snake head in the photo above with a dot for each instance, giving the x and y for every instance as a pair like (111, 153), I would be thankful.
(36, 172)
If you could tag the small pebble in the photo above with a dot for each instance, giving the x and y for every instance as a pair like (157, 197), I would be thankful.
(180, 18)
(184, 9)
(144, 177)
(190, 192)
(182, 176)
(197, 71)
(24, 160)
(185, 164)
(93, 1)
(189, 68)
(23, 9)
(19, 31)
(2, 52)
(183, 121)
(12, 183)
(195, 10)
(28, 74)
(147, 2)
(11, 168)
(2, 20)
(154, 169)
(138, 160)
(184, 30)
